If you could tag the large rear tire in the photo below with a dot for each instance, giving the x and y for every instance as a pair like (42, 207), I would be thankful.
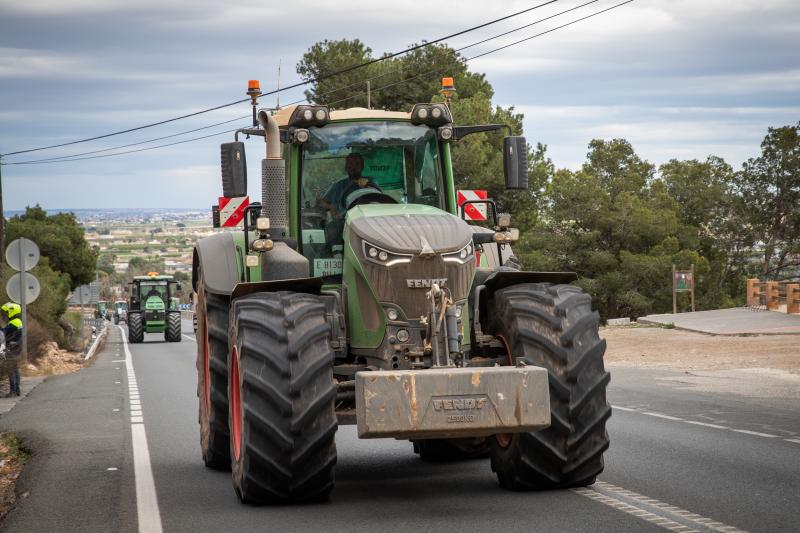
(282, 396)
(135, 328)
(173, 331)
(446, 450)
(554, 327)
(212, 377)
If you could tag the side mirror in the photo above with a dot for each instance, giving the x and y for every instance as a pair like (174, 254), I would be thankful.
(234, 169)
(515, 162)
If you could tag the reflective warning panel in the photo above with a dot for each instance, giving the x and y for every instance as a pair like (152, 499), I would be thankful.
(473, 211)
(231, 210)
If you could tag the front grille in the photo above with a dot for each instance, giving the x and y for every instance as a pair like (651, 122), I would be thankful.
(391, 286)
(154, 316)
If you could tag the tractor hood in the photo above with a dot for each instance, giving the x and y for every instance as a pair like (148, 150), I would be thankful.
(409, 228)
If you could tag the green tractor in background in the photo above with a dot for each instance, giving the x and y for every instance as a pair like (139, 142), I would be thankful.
(356, 294)
(101, 310)
(152, 308)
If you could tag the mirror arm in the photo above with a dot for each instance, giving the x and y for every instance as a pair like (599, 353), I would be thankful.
(459, 132)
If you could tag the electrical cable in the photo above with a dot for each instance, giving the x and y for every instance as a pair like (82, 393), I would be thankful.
(424, 73)
(299, 84)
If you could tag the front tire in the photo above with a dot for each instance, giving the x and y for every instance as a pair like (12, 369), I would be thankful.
(553, 326)
(135, 328)
(212, 377)
(282, 395)
(173, 331)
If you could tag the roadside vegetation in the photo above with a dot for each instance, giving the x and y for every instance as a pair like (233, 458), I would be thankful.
(67, 261)
(13, 456)
(619, 221)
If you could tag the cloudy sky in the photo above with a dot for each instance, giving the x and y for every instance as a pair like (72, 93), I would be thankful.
(677, 78)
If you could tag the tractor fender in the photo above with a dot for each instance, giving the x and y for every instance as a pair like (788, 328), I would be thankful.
(488, 281)
(217, 255)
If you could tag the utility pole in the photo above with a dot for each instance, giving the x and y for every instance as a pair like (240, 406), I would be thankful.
(2, 219)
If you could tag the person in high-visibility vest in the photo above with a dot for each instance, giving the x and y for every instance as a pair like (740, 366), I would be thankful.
(13, 333)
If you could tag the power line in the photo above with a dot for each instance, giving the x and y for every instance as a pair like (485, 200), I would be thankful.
(299, 84)
(362, 82)
(428, 73)
(399, 82)
(67, 157)
(126, 152)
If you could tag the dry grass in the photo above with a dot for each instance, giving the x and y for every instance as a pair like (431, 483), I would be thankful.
(13, 456)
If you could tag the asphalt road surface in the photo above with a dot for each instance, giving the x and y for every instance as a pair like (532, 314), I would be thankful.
(116, 449)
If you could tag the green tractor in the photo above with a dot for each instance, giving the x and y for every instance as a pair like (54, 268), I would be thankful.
(356, 293)
(153, 309)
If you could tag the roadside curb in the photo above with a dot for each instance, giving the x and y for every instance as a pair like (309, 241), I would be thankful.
(96, 343)
(651, 322)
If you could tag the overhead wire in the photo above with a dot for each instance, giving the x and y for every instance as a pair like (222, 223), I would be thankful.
(399, 82)
(293, 86)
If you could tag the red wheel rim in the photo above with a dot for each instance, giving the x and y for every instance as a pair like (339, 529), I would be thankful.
(206, 368)
(504, 439)
(235, 398)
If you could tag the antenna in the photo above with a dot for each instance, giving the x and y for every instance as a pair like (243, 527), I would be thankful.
(278, 97)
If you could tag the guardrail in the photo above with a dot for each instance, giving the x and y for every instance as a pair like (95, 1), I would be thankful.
(773, 295)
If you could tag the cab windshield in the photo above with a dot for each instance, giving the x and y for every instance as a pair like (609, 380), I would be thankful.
(398, 159)
(154, 289)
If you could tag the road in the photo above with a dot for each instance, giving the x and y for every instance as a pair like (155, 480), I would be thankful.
(679, 460)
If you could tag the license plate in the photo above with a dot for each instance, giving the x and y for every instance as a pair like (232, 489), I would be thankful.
(327, 267)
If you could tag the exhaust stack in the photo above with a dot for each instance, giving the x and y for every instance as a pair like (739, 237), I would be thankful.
(273, 179)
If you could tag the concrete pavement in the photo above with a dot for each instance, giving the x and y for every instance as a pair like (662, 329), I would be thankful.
(680, 459)
(735, 321)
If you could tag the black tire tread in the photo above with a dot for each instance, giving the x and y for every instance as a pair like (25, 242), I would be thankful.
(135, 328)
(173, 331)
(570, 452)
(288, 394)
(214, 433)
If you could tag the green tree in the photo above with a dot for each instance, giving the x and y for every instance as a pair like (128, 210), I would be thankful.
(60, 239)
(769, 186)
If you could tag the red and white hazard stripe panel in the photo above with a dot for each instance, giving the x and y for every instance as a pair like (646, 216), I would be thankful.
(473, 211)
(231, 210)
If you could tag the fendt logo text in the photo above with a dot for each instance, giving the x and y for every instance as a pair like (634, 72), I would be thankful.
(458, 404)
(425, 283)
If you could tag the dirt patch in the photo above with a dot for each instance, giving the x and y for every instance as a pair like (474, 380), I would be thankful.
(644, 347)
(53, 360)
(13, 455)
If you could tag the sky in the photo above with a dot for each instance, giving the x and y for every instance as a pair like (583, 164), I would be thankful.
(677, 78)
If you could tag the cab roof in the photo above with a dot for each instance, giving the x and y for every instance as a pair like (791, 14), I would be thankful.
(354, 113)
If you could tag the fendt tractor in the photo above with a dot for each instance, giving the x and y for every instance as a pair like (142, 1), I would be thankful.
(356, 293)
(153, 309)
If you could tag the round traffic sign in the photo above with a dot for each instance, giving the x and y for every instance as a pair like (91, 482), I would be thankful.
(22, 254)
(30, 285)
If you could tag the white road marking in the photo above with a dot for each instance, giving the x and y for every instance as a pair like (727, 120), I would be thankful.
(796, 441)
(756, 433)
(696, 423)
(652, 510)
(118, 361)
(706, 424)
(189, 337)
(116, 410)
(112, 469)
(659, 415)
(146, 500)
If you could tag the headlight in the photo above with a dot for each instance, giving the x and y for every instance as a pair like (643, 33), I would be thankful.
(431, 114)
(309, 115)
(383, 257)
(460, 256)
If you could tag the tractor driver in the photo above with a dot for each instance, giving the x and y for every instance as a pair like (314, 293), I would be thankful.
(334, 198)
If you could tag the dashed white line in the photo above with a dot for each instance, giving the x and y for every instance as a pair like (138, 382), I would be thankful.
(147, 510)
(654, 511)
(796, 441)
(696, 423)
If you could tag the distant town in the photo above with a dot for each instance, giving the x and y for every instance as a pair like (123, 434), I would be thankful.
(165, 236)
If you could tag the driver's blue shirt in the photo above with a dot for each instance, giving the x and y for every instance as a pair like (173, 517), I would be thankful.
(337, 193)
